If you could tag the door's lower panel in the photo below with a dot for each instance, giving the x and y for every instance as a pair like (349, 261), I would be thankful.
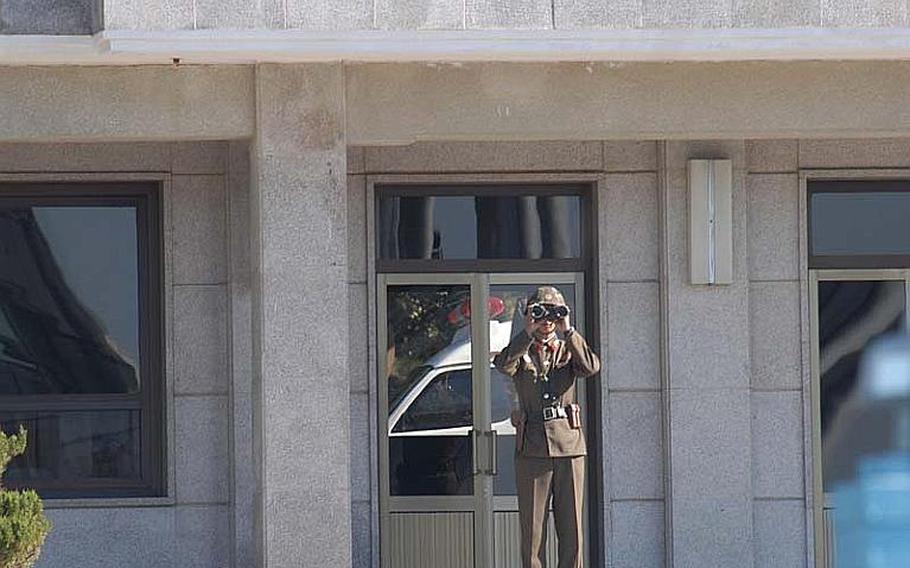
(507, 543)
(440, 540)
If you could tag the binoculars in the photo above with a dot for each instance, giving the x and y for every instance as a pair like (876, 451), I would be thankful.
(547, 312)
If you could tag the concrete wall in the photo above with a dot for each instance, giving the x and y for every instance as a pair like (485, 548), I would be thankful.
(736, 383)
(204, 377)
(105, 104)
(402, 103)
(487, 14)
(300, 317)
(779, 395)
(364, 465)
(624, 101)
(633, 446)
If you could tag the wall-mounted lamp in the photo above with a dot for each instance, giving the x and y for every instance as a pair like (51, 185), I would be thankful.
(710, 221)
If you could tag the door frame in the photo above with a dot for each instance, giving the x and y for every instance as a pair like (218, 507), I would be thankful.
(483, 502)
(824, 534)
(369, 185)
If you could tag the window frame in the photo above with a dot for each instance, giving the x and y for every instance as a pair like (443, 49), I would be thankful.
(146, 196)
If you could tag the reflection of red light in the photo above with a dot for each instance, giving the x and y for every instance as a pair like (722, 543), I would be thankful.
(453, 317)
(461, 314)
(495, 306)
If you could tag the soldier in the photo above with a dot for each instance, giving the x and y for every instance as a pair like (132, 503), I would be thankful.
(549, 445)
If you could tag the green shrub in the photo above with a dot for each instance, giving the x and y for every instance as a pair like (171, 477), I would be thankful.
(10, 446)
(23, 526)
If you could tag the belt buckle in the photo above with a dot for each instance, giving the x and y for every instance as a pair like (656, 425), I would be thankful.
(550, 413)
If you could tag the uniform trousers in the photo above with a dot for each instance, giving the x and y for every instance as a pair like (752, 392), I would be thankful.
(538, 481)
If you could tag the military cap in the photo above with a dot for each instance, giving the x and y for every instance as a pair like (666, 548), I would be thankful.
(547, 295)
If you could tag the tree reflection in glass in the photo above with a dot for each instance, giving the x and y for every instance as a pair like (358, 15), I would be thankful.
(428, 364)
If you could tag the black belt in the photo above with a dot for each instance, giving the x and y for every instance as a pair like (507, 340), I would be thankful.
(554, 412)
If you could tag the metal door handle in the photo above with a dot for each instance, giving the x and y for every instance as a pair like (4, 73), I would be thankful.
(494, 470)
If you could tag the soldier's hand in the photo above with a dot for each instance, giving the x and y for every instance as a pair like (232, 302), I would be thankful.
(531, 325)
(563, 325)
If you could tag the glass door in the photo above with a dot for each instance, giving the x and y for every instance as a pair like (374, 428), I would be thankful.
(850, 310)
(447, 478)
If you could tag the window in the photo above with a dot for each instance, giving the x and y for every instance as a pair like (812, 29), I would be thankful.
(452, 227)
(80, 337)
(859, 224)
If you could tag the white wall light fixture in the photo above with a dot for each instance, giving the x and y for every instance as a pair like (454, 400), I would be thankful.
(710, 221)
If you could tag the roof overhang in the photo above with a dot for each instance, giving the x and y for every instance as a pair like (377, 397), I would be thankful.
(286, 46)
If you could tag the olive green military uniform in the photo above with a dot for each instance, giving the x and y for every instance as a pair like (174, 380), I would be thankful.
(550, 454)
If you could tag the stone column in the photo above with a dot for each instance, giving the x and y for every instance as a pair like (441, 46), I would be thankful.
(710, 437)
(300, 317)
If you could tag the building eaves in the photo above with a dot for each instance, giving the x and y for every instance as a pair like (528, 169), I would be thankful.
(288, 46)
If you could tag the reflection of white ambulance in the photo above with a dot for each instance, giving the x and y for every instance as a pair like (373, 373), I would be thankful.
(439, 403)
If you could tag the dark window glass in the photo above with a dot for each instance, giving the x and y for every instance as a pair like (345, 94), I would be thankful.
(859, 224)
(504, 482)
(851, 314)
(431, 465)
(503, 394)
(80, 338)
(63, 446)
(69, 300)
(503, 391)
(483, 226)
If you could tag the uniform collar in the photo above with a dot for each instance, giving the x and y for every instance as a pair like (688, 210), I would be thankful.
(548, 344)
(550, 340)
